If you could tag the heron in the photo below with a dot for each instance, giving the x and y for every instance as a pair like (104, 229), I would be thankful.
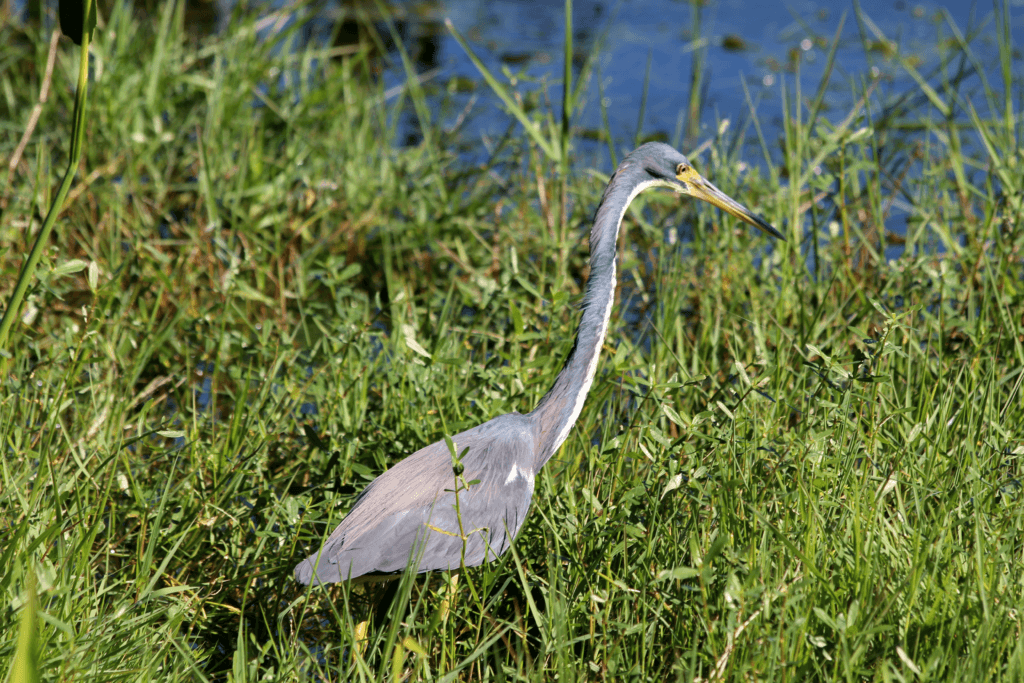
(423, 512)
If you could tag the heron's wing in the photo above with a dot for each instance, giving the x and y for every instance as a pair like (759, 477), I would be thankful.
(474, 524)
(411, 509)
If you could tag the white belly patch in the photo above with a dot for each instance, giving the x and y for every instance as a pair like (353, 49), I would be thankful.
(517, 472)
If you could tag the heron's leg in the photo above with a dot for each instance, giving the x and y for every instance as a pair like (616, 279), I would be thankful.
(450, 595)
(360, 636)
(382, 595)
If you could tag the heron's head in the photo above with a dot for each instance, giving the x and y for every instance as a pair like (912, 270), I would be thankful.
(669, 168)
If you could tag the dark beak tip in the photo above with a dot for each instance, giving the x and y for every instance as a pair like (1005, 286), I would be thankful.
(769, 229)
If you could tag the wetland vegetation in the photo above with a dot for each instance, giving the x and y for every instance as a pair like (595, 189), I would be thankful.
(799, 461)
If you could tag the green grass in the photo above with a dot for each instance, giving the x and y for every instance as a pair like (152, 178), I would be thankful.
(800, 469)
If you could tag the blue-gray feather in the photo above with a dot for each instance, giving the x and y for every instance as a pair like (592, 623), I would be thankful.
(409, 512)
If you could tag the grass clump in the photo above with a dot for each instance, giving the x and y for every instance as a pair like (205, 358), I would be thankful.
(798, 462)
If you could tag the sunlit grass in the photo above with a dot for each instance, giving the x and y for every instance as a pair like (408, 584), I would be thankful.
(799, 461)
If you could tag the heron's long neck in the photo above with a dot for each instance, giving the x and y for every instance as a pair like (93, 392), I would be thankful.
(558, 410)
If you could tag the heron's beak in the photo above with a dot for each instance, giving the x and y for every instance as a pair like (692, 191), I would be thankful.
(696, 185)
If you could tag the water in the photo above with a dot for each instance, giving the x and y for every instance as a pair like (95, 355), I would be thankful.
(755, 53)
(751, 47)
(760, 45)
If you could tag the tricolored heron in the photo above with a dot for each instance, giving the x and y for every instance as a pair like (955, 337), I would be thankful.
(415, 513)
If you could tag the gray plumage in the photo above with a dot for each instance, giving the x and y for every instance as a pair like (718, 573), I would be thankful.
(407, 515)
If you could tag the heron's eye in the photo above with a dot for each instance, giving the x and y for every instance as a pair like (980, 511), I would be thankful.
(681, 169)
